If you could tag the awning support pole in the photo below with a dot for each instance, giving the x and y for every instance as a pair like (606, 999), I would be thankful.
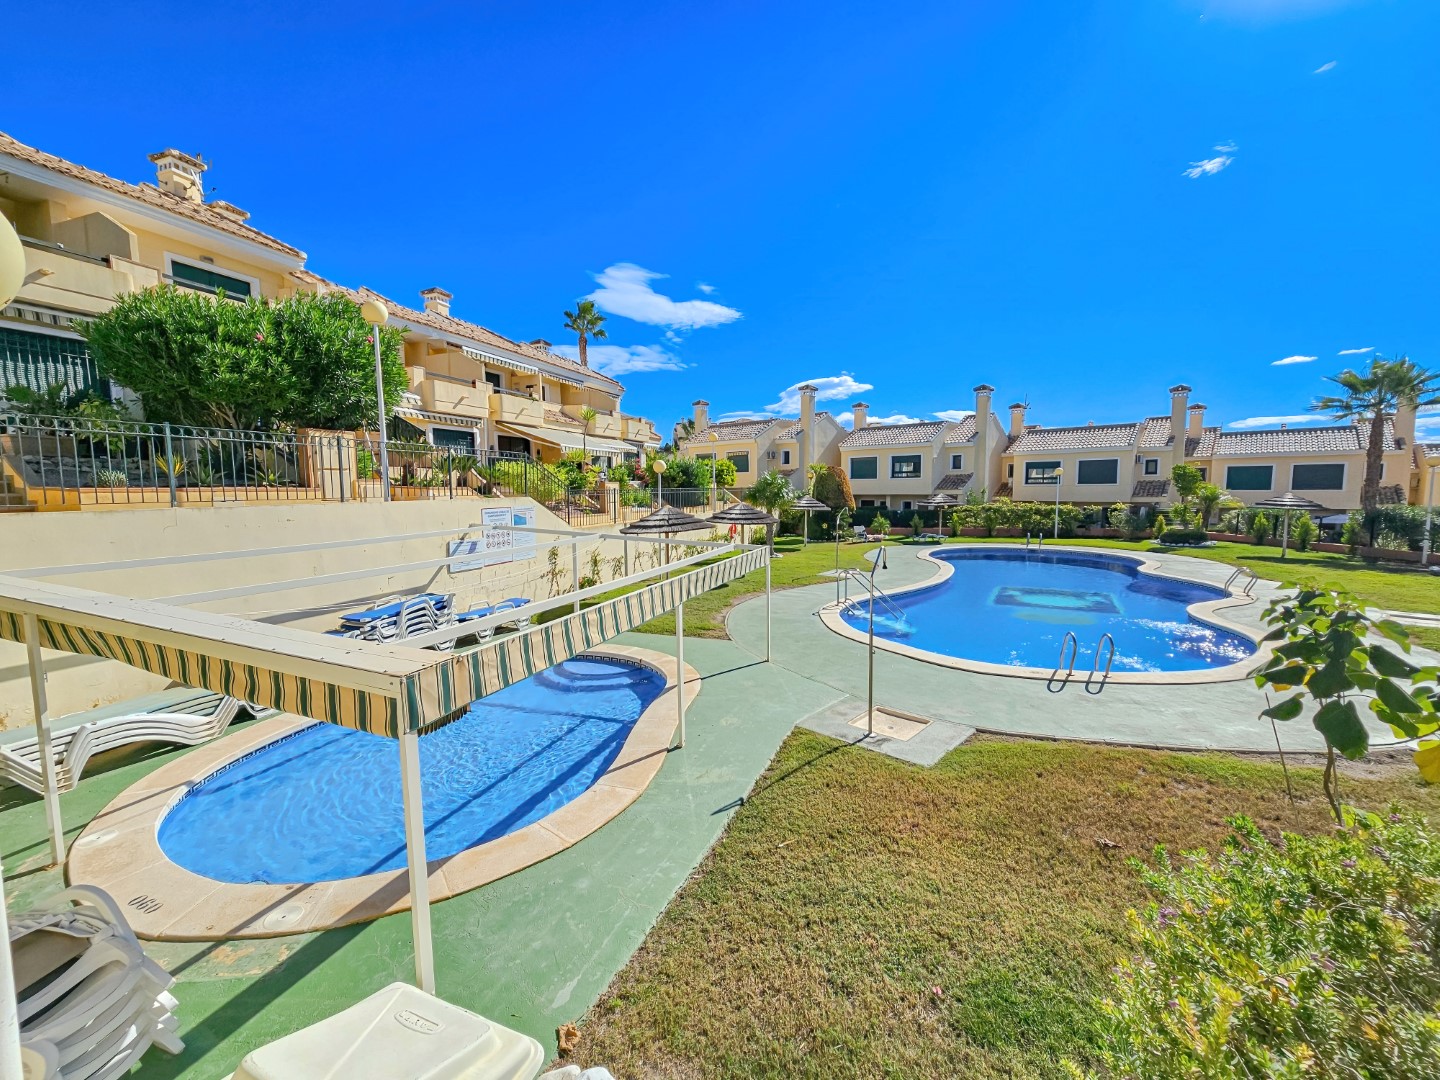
(9, 1006)
(415, 857)
(42, 739)
(680, 666)
(575, 568)
(767, 608)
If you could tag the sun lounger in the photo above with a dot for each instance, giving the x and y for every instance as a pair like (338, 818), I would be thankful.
(90, 1001)
(183, 716)
(390, 608)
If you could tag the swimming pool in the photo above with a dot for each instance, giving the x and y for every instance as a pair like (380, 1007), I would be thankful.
(324, 803)
(1013, 608)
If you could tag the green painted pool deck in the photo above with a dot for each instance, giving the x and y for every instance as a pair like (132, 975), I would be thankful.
(531, 951)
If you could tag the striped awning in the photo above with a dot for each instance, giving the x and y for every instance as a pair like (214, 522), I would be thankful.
(568, 440)
(383, 689)
(438, 418)
(496, 360)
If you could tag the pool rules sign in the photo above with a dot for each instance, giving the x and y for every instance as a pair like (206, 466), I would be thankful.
(497, 544)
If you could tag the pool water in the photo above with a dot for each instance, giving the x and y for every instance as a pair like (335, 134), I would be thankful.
(1014, 608)
(324, 803)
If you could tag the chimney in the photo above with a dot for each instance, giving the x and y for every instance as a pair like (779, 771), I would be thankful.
(437, 300)
(981, 465)
(541, 343)
(1017, 418)
(1197, 422)
(702, 416)
(1179, 399)
(805, 437)
(1405, 426)
(861, 412)
(179, 174)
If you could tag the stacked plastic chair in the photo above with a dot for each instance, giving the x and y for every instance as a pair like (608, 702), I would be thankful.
(90, 1001)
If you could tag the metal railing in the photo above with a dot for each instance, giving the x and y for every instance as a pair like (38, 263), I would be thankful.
(879, 598)
(1242, 578)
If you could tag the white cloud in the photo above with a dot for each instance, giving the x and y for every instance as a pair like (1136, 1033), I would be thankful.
(1356, 352)
(625, 291)
(845, 419)
(673, 338)
(703, 287)
(1211, 166)
(1276, 421)
(954, 415)
(625, 359)
(830, 388)
(744, 414)
(1293, 360)
(896, 418)
(1327, 66)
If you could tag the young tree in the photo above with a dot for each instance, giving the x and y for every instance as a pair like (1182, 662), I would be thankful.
(1187, 480)
(1369, 397)
(587, 417)
(585, 322)
(1208, 498)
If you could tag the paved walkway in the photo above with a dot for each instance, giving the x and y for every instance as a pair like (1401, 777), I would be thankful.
(1205, 716)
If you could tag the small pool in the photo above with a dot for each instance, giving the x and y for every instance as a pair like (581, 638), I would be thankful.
(1014, 608)
(324, 803)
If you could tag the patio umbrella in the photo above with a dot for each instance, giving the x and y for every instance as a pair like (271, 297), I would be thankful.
(941, 500)
(666, 521)
(808, 503)
(1286, 503)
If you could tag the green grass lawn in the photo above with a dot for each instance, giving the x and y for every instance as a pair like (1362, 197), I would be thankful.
(797, 565)
(864, 917)
(1401, 588)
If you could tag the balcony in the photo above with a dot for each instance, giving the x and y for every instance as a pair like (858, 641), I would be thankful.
(70, 281)
(509, 407)
(638, 429)
(454, 397)
(606, 425)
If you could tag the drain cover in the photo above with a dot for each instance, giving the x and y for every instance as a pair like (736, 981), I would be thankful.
(285, 917)
(893, 725)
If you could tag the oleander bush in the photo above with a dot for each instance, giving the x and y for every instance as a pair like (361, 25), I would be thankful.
(1310, 956)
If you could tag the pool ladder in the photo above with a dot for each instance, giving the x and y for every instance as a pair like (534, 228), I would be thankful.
(878, 596)
(1039, 540)
(1071, 644)
(1243, 579)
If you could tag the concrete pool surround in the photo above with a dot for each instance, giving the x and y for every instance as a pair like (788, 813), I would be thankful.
(1208, 612)
(120, 850)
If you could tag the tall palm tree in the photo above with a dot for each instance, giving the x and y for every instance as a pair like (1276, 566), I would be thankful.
(587, 322)
(1388, 385)
(773, 494)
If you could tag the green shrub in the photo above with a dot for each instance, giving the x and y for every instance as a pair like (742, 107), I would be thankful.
(1313, 957)
(880, 524)
(832, 488)
(1302, 532)
(1161, 525)
(1183, 536)
(111, 478)
(1259, 526)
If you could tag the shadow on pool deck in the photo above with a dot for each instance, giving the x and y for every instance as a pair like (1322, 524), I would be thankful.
(530, 951)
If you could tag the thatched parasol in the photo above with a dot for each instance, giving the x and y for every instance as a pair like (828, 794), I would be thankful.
(1287, 503)
(808, 503)
(941, 500)
(744, 514)
(665, 520)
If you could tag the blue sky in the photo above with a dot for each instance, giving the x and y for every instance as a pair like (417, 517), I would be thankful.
(1079, 202)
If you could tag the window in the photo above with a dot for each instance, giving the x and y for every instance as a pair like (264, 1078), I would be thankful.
(1317, 477)
(905, 505)
(453, 439)
(1010, 471)
(784, 457)
(864, 468)
(1204, 473)
(206, 280)
(904, 466)
(1098, 471)
(741, 460)
(1249, 477)
(42, 360)
(1152, 466)
(493, 378)
(1041, 472)
(957, 462)
(867, 502)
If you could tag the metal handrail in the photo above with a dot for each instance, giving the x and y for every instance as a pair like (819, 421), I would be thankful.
(878, 596)
(1095, 665)
(1074, 642)
(1039, 540)
(1239, 574)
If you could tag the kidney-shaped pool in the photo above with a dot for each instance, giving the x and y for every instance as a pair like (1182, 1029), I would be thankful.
(1014, 608)
(324, 803)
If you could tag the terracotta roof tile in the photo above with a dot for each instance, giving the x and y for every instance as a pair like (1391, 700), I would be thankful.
(954, 481)
(145, 193)
(1150, 489)
(1091, 436)
(962, 432)
(794, 428)
(886, 435)
(737, 430)
(1352, 438)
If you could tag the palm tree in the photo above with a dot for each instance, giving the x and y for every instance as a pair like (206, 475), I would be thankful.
(816, 470)
(1208, 498)
(585, 321)
(1388, 385)
(587, 417)
(773, 494)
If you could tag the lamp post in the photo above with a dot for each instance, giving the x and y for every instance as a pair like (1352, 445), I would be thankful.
(374, 313)
(659, 468)
(1058, 473)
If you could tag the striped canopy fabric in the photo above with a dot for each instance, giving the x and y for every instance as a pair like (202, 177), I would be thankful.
(383, 689)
